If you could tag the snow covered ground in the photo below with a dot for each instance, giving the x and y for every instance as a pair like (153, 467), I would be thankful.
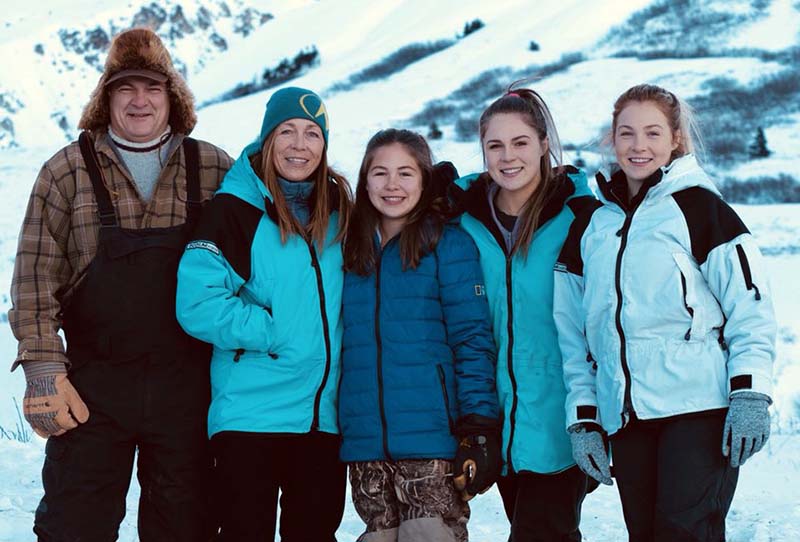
(766, 507)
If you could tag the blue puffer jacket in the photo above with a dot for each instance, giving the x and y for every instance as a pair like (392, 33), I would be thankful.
(530, 377)
(271, 310)
(418, 353)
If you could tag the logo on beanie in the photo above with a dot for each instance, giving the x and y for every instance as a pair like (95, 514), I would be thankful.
(321, 112)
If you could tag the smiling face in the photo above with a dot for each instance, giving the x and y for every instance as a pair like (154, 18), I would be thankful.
(139, 109)
(513, 153)
(643, 141)
(394, 186)
(297, 149)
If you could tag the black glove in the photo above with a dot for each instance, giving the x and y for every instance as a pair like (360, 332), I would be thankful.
(478, 461)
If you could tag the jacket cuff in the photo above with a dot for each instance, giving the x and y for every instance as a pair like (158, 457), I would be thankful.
(585, 427)
(34, 369)
(750, 383)
(475, 424)
(41, 349)
(582, 414)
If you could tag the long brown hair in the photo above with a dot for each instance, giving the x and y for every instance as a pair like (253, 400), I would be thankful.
(532, 109)
(423, 228)
(679, 115)
(322, 205)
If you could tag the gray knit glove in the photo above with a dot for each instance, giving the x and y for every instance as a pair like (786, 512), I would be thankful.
(590, 452)
(746, 426)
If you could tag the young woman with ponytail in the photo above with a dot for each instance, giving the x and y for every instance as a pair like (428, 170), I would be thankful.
(518, 213)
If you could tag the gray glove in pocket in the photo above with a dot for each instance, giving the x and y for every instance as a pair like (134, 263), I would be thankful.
(746, 426)
(589, 451)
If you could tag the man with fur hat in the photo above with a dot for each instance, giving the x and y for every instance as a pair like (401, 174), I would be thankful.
(106, 223)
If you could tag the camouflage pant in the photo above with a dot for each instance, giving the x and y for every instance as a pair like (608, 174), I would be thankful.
(408, 500)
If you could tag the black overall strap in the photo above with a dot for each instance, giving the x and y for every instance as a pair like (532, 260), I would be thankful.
(193, 202)
(104, 206)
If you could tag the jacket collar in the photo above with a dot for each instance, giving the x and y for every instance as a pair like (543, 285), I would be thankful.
(615, 190)
(475, 200)
(682, 173)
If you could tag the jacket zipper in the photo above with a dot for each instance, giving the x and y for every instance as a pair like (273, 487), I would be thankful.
(627, 407)
(326, 334)
(628, 411)
(450, 423)
(513, 414)
(689, 309)
(384, 431)
(748, 277)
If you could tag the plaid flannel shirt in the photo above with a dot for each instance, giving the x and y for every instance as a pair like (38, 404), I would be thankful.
(59, 233)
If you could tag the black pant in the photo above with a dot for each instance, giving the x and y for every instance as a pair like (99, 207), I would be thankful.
(156, 405)
(544, 507)
(673, 481)
(250, 468)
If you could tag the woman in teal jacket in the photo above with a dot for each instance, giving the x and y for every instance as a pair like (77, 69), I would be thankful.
(262, 282)
(519, 212)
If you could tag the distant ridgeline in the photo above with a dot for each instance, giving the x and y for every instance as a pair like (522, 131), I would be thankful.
(285, 70)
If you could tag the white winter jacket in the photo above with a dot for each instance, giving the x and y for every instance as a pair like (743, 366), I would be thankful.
(662, 305)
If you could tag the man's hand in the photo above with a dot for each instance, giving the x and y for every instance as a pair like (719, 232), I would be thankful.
(52, 405)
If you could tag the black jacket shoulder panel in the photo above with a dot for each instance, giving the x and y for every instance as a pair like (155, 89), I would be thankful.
(710, 220)
(570, 259)
(230, 223)
(583, 204)
(564, 188)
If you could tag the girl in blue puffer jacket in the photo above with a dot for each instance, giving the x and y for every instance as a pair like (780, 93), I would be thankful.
(417, 387)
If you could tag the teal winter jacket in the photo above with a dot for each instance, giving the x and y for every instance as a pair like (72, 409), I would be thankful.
(271, 310)
(530, 377)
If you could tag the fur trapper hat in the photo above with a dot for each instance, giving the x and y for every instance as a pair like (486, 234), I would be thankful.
(138, 51)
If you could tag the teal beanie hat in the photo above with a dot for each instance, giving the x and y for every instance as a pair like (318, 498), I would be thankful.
(294, 103)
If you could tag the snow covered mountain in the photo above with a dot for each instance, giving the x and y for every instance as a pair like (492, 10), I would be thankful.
(416, 63)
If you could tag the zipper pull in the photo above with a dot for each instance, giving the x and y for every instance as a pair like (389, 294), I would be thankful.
(239, 352)
(627, 409)
(624, 227)
(688, 335)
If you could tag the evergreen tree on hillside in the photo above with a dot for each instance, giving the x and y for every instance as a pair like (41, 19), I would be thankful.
(434, 132)
(758, 147)
(472, 26)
